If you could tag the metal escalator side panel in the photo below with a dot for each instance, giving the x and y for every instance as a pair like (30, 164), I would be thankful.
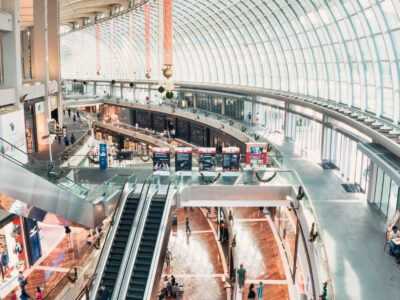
(29, 191)
(161, 245)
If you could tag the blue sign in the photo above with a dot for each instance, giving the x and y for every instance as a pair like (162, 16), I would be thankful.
(103, 156)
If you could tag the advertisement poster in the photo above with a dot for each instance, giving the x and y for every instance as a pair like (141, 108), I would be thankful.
(103, 162)
(34, 239)
(183, 159)
(19, 248)
(12, 129)
(207, 160)
(161, 161)
(42, 130)
(230, 159)
(256, 155)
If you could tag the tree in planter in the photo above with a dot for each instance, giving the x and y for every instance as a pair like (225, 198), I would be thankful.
(169, 95)
(84, 82)
(161, 89)
(131, 84)
(324, 295)
(113, 82)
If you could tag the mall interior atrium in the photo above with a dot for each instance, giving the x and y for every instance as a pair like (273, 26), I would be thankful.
(199, 149)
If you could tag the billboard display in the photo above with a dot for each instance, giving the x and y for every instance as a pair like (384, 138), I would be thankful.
(183, 159)
(161, 160)
(207, 160)
(256, 155)
(230, 159)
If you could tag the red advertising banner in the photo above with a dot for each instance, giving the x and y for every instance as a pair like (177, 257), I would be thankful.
(168, 33)
(19, 249)
(256, 155)
(147, 32)
(207, 150)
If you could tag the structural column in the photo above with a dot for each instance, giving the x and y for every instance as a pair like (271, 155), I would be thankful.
(11, 48)
(286, 125)
(324, 121)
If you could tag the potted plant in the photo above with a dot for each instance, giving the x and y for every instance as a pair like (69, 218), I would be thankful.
(131, 84)
(169, 95)
(113, 82)
(161, 89)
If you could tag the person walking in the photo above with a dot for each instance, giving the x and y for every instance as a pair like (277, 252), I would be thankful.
(68, 233)
(13, 296)
(22, 281)
(69, 113)
(104, 293)
(38, 294)
(176, 290)
(188, 230)
(241, 276)
(73, 139)
(252, 294)
(66, 141)
(59, 139)
(260, 291)
(74, 118)
(168, 257)
(24, 295)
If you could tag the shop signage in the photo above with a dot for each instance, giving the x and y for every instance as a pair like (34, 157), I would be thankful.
(19, 247)
(103, 156)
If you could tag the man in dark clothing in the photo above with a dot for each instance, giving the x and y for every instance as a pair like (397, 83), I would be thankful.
(69, 113)
(188, 226)
(73, 140)
(66, 141)
(104, 293)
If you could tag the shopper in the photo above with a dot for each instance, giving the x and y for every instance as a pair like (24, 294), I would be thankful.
(260, 291)
(89, 240)
(241, 276)
(394, 234)
(73, 139)
(249, 116)
(22, 281)
(24, 295)
(188, 231)
(165, 286)
(168, 257)
(176, 290)
(252, 294)
(66, 141)
(69, 113)
(161, 295)
(68, 233)
(74, 118)
(104, 293)
(13, 296)
(173, 280)
(38, 294)
(59, 139)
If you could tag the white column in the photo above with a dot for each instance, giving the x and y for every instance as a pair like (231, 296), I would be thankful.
(11, 48)
(40, 64)
(286, 125)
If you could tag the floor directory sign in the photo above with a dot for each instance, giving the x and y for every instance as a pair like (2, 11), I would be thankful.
(207, 160)
(161, 160)
(103, 156)
(183, 159)
(230, 159)
(256, 155)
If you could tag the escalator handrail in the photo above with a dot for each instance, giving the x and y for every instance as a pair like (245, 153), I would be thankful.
(134, 235)
(161, 233)
(41, 166)
(123, 281)
(105, 251)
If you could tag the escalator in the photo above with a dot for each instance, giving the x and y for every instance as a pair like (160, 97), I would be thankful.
(33, 189)
(119, 243)
(141, 268)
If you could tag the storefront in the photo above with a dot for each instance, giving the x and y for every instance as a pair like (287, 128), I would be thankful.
(13, 252)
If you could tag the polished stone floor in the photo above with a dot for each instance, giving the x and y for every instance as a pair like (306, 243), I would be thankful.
(352, 230)
(50, 272)
(196, 259)
(258, 251)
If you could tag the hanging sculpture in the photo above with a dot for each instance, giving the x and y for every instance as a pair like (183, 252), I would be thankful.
(98, 49)
(147, 32)
(168, 55)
